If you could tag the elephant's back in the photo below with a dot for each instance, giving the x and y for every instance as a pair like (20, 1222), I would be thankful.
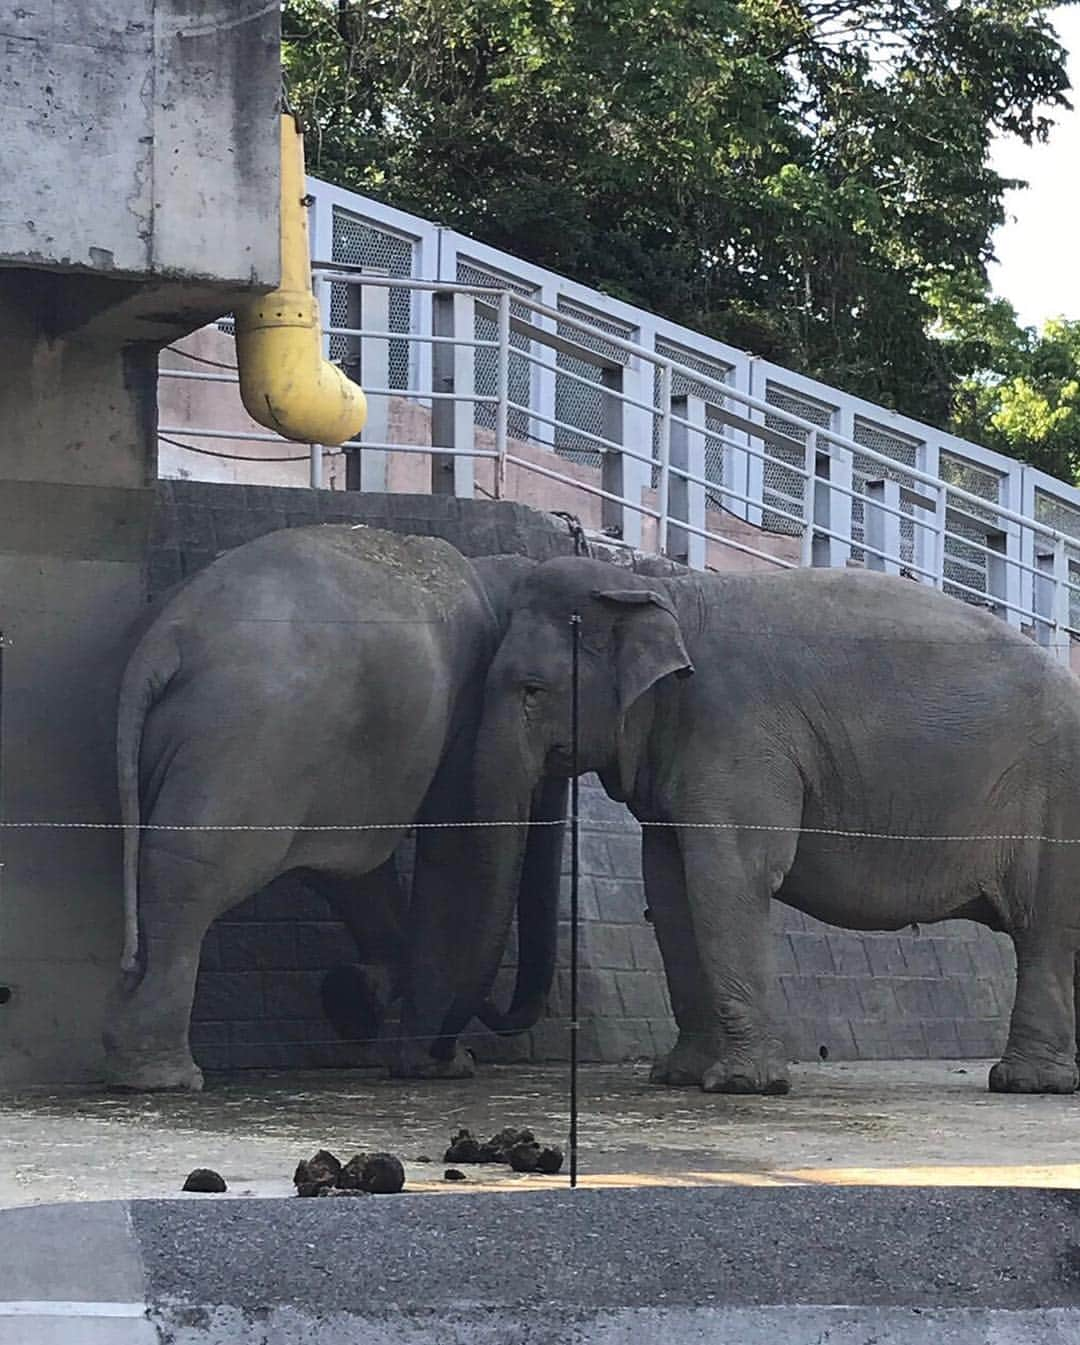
(329, 573)
(865, 623)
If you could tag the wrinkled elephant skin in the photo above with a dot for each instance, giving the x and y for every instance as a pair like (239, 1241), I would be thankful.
(294, 708)
(799, 736)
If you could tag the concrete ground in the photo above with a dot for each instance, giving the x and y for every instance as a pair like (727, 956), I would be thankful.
(737, 1221)
(893, 1123)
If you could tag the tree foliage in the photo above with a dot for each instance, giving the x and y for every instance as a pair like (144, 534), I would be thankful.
(1017, 390)
(801, 178)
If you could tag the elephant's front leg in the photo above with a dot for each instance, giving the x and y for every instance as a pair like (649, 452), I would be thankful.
(1040, 1055)
(438, 930)
(665, 890)
(729, 885)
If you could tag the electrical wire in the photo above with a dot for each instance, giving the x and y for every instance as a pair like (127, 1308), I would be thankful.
(201, 359)
(839, 833)
(242, 457)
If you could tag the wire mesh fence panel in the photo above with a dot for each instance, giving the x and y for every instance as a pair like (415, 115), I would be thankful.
(682, 385)
(905, 451)
(966, 564)
(486, 366)
(779, 480)
(358, 242)
(575, 404)
(1065, 518)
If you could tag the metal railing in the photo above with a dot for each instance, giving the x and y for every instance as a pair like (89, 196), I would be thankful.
(845, 502)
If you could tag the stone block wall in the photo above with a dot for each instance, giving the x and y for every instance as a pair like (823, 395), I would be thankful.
(942, 991)
(938, 991)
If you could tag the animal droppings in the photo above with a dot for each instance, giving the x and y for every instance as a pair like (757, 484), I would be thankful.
(321, 1169)
(351, 1176)
(516, 1147)
(363, 1174)
(382, 1174)
(550, 1160)
(205, 1180)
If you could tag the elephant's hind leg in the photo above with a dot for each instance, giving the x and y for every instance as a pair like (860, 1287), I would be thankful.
(1040, 1056)
(148, 1016)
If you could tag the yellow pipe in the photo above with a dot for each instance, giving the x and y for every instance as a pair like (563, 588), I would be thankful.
(285, 382)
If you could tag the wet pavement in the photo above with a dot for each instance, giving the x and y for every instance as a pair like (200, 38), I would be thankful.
(890, 1123)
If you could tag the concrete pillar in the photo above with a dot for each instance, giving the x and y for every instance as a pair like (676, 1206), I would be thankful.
(77, 468)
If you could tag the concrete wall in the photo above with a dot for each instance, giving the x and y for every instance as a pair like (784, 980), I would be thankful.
(942, 991)
(138, 200)
(154, 113)
(187, 405)
(76, 494)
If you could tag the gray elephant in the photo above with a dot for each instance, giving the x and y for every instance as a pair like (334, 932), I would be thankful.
(310, 682)
(831, 715)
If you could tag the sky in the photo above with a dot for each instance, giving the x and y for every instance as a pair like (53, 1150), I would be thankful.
(1038, 268)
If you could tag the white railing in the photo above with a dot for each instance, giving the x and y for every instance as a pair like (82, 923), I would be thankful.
(672, 442)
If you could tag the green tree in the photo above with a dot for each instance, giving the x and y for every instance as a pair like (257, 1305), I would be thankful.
(1017, 390)
(796, 177)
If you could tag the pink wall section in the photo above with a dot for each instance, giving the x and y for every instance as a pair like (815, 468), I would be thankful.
(214, 405)
(205, 404)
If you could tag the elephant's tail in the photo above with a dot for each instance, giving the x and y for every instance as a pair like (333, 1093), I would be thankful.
(153, 664)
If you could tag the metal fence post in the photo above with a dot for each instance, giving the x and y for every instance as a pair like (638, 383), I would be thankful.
(663, 500)
(809, 500)
(637, 431)
(997, 570)
(881, 528)
(322, 294)
(369, 310)
(1052, 596)
(754, 485)
(1062, 601)
(612, 513)
(936, 564)
(453, 422)
(687, 498)
(502, 407)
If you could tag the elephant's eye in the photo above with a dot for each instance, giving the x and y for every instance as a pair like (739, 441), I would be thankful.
(531, 693)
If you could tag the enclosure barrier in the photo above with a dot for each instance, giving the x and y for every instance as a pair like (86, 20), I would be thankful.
(655, 454)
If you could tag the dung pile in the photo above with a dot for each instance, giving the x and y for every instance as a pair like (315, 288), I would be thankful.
(206, 1180)
(363, 1174)
(520, 1149)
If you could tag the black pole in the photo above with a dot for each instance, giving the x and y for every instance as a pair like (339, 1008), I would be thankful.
(575, 629)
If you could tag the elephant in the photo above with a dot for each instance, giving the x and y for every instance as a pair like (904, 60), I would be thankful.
(315, 681)
(863, 748)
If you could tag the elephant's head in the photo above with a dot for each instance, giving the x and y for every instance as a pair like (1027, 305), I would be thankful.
(630, 639)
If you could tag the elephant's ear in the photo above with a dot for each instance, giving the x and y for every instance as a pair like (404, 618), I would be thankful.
(648, 642)
(648, 645)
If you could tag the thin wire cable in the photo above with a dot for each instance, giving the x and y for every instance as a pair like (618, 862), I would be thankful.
(201, 359)
(837, 832)
(234, 457)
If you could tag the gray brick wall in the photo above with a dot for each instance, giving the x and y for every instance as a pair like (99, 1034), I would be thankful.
(942, 991)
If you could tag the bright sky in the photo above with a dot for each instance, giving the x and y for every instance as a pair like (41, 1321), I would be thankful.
(1038, 248)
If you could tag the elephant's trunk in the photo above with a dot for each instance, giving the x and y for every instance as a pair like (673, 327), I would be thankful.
(502, 795)
(538, 914)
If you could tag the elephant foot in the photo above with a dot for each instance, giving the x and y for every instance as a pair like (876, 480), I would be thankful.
(154, 1077)
(766, 1074)
(683, 1067)
(420, 1065)
(1015, 1075)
